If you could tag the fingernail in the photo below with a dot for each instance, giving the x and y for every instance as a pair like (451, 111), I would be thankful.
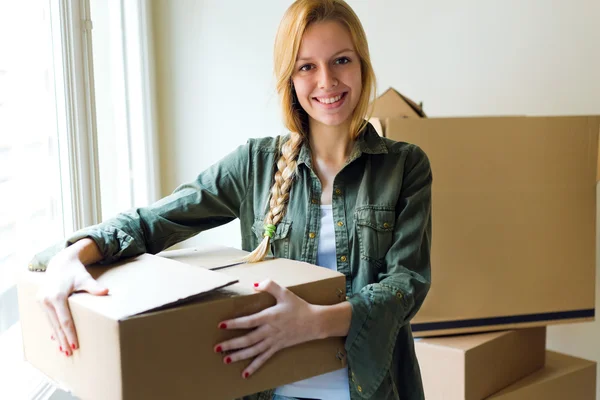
(52, 337)
(73, 346)
(246, 375)
(223, 325)
(61, 350)
(219, 349)
(256, 285)
(227, 360)
(67, 353)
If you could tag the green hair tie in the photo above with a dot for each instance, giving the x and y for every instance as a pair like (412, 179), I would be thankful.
(269, 230)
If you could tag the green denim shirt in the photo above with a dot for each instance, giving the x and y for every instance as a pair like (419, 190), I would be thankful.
(382, 213)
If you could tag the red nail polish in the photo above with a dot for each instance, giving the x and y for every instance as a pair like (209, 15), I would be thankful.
(223, 325)
(219, 349)
(256, 285)
(73, 346)
(227, 360)
(246, 375)
(61, 350)
(52, 337)
(67, 353)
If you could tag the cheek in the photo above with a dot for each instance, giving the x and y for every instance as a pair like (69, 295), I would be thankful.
(301, 87)
(303, 91)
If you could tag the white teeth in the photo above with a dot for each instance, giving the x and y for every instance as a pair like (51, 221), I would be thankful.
(330, 100)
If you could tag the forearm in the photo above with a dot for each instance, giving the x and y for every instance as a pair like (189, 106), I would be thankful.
(333, 320)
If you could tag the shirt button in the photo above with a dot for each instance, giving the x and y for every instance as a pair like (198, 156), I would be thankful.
(340, 223)
(343, 259)
(359, 388)
(399, 295)
(386, 225)
(312, 235)
(314, 201)
(338, 191)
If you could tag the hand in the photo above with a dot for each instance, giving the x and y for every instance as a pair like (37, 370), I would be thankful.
(291, 321)
(65, 275)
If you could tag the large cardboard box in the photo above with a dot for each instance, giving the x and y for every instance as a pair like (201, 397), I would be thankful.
(563, 377)
(153, 336)
(472, 367)
(514, 220)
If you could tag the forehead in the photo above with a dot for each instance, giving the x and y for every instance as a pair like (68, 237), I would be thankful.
(323, 39)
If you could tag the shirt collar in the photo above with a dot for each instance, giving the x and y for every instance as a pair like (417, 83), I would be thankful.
(368, 142)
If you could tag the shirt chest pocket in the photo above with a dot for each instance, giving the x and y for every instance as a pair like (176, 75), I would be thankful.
(375, 230)
(280, 243)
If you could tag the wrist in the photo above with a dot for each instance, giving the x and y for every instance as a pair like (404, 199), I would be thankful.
(332, 320)
(84, 251)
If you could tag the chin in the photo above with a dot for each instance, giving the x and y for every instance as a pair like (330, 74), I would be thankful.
(332, 121)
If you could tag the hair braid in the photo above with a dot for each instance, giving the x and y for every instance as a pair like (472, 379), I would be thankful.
(280, 193)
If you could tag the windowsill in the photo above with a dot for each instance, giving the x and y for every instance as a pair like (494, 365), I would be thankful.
(19, 379)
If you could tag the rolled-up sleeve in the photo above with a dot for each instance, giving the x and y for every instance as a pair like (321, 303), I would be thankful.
(380, 310)
(212, 199)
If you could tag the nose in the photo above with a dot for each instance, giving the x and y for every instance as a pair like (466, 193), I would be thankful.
(327, 78)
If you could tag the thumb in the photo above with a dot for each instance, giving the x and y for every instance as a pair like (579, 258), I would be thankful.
(91, 286)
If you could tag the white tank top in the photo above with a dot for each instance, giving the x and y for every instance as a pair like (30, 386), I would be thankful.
(332, 385)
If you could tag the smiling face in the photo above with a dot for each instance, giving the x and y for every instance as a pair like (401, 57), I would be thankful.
(327, 74)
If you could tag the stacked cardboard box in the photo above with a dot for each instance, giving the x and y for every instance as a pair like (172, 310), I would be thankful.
(514, 218)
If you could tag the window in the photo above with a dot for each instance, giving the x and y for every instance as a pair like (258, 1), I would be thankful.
(48, 164)
(52, 144)
(31, 201)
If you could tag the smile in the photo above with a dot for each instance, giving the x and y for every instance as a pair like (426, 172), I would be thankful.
(331, 102)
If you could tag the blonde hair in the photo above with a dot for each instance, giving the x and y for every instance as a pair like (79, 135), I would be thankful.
(298, 17)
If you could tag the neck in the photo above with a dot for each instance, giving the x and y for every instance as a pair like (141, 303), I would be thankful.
(330, 144)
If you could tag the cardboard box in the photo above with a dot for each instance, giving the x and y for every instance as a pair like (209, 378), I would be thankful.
(514, 220)
(393, 104)
(472, 367)
(153, 336)
(563, 377)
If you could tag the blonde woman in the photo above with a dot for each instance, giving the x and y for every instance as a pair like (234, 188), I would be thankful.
(331, 192)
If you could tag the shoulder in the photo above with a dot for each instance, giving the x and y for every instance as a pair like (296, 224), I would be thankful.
(268, 144)
(398, 147)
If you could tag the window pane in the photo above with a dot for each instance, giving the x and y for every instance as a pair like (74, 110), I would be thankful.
(30, 186)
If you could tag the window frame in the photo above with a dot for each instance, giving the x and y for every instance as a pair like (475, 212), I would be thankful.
(77, 130)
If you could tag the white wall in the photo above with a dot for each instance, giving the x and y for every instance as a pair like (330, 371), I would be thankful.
(494, 57)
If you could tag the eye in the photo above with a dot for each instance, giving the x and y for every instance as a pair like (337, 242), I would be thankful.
(342, 61)
(306, 67)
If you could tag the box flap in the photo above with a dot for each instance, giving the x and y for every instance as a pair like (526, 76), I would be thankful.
(148, 282)
(209, 257)
(392, 104)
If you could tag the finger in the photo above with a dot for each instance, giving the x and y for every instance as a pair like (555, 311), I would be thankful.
(47, 311)
(247, 322)
(92, 286)
(271, 287)
(248, 352)
(258, 362)
(241, 342)
(65, 319)
(58, 333)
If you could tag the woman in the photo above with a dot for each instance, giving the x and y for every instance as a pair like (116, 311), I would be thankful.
(332, 193)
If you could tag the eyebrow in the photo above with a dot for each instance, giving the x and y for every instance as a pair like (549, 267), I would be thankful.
(338, 53)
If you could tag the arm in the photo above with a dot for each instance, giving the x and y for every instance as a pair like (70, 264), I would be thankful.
(213, 199)
(380, 309)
